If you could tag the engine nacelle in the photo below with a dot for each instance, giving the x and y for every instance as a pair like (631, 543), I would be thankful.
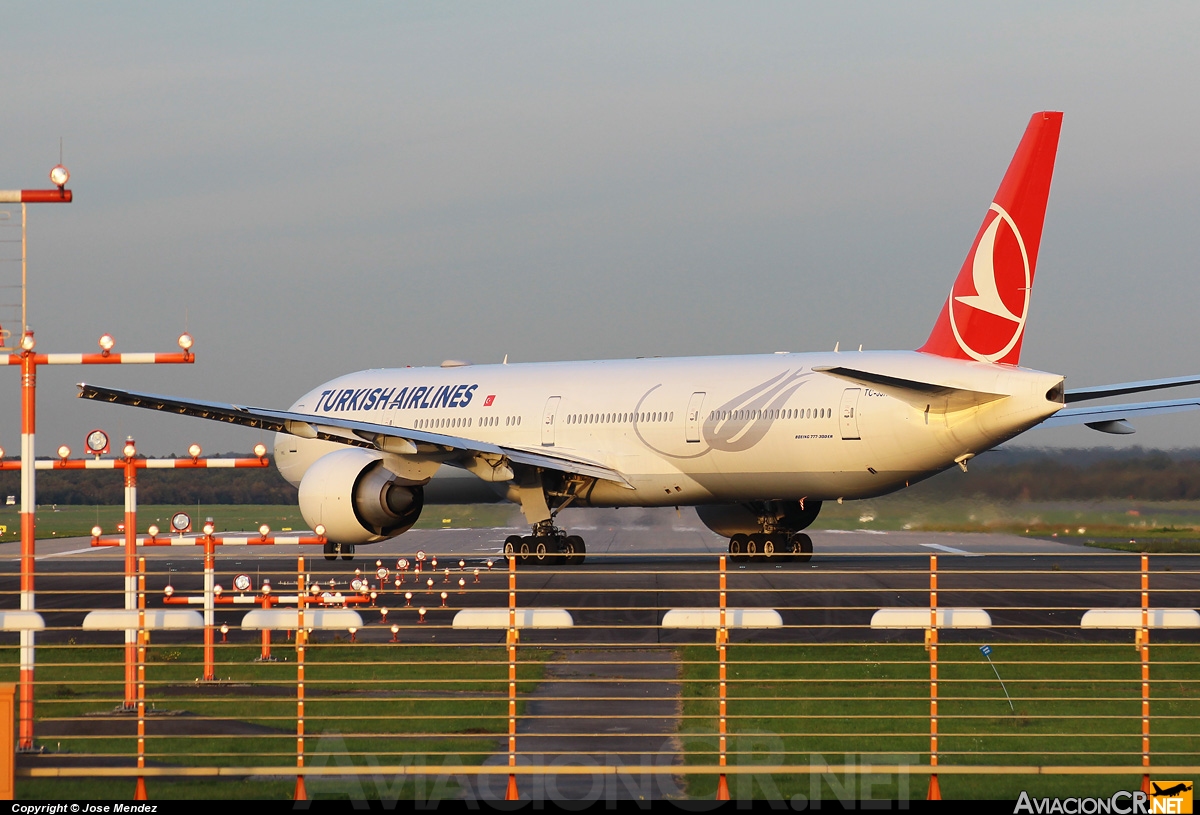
(357, 499)
(733, 519)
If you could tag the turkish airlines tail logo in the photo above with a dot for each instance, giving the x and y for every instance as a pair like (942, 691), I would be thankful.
(984, 317)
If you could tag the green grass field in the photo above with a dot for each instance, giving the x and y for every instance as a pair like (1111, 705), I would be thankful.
(1075, 704)
(1169, 526)
(77, 521)
(365, 703)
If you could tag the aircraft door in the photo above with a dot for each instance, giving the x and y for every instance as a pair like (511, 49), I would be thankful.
(693, 416)
(849, 413)
(548, 418)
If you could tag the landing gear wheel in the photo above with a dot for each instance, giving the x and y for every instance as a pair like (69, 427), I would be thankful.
(523, 550)
(330, 551)
(510, 544)
(802, 547)
(544, 549)
(768, 547)
(754, 545)
(737, 546)
(573, 550)
(347, 550)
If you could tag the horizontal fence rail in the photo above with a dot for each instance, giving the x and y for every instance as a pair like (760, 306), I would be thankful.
(656, 676)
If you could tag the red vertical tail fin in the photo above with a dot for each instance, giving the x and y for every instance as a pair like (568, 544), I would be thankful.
(984, 316)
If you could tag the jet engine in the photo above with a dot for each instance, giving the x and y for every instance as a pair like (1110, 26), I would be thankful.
(733, 519)
(357, 499)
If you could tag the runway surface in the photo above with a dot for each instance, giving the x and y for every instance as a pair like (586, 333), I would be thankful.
(635, 572)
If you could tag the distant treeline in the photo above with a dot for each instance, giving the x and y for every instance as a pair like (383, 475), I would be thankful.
(1073, 474)
(106, 487)
(1010, 473)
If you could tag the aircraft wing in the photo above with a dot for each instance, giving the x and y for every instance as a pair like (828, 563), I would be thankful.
(399, 440)
(1102, 391)
(1115, 418)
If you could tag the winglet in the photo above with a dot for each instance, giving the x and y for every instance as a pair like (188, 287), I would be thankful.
(984, 316)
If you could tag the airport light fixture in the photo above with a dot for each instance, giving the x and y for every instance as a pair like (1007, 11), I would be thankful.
(106, 343)
(64, 452)
(194, 451)
(97, 443)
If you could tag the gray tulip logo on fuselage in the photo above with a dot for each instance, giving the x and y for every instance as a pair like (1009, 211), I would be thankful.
(742, 421)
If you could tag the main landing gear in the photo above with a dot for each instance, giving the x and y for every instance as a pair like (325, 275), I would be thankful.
(548, 545)
(779, 546)
(333, 550)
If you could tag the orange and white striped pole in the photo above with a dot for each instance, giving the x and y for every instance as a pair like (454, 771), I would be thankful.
(301, 639)
(722, 691)
(935, 790)
(139, 792)
(510, 792)
(1145, 653)
(28, 535)
(210, 612)
(129, 463)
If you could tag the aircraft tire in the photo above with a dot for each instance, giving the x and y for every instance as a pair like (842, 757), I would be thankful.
(330, 551)
(573, 550)
(753, 546)
(768, 547)
(802, 547)
(737, 547)
(511, 543)
(523, 550)
(347, 551)
(543, 549)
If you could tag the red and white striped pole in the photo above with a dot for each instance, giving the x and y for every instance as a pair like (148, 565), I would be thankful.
(29, 361)
(129, 462)
(210, 617)
(28, 532)
(59, 196)
(59, 176)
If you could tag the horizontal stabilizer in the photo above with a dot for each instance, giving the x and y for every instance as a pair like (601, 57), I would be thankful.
(1115, 418)
(939, 398)
(1101, 391)
(355, 433)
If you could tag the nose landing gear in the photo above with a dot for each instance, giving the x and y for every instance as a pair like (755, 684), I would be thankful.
(333, 550)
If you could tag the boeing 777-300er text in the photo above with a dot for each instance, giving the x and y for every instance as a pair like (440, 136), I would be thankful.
(756, 443)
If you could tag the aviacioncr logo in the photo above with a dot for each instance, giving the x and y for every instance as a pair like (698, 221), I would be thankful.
(989, 309)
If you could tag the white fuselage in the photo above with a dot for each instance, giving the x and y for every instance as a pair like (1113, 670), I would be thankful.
(699, 430)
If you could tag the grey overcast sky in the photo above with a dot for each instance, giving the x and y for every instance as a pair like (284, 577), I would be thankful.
(313, 189)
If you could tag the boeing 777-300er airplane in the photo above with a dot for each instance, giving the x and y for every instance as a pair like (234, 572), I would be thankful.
(756, 443)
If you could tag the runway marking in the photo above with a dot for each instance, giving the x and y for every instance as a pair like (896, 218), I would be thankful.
(951, 550)
(68, 552)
